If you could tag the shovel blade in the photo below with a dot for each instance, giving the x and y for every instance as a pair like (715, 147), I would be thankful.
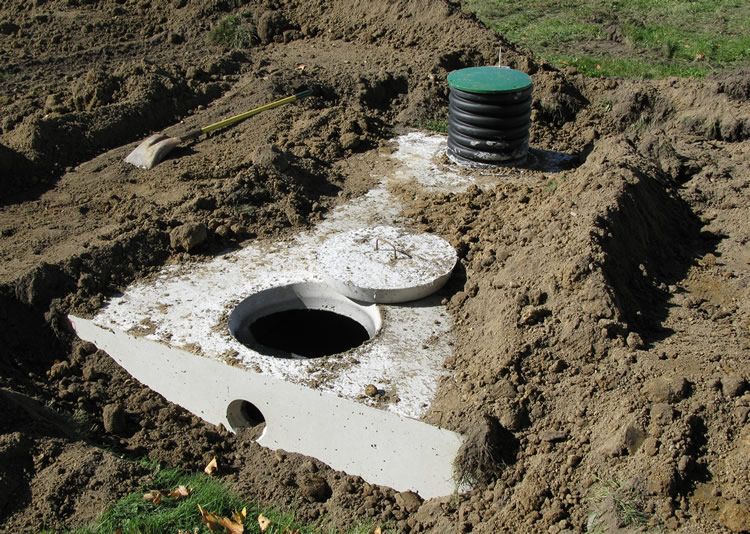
(152, 150)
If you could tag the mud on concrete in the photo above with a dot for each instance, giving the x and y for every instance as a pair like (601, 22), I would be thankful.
(601, 313)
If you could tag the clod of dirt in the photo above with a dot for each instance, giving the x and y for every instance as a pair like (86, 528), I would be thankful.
(113, 418)
(736, 86)
(314, 487)
(271, 24)
(188, 236)
(664, 389)
(270, 156)
(408, 501)
(627, 439)
(735, 516)
(733, 386)
(486, 451)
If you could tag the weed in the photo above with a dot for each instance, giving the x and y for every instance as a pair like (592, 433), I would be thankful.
(626, 502)
(434, 125)
(233, 32)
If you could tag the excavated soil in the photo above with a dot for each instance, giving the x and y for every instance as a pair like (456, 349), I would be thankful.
(602, 316)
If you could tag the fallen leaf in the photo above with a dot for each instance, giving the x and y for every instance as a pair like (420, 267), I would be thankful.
(217, 523)
(700, 57)
(180, 492)
(231, 526)
(154, 496)
(301, 66)
(240, 517)
(212, 466)
(210, 520)
(598, 67)
(263, 522)
(377, 530)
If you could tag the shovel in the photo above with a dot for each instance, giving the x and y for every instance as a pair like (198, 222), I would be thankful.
(155, 148)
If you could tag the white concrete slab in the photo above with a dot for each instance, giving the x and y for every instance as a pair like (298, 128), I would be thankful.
(379, 446)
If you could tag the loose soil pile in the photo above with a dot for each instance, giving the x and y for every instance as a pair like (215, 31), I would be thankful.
(602, 314)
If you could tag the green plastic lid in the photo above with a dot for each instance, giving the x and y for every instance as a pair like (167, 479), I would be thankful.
(489, 80)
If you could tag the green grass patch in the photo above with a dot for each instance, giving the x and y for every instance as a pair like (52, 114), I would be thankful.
(134, 515)
(435, 125)
(629, 38)
(233, 31)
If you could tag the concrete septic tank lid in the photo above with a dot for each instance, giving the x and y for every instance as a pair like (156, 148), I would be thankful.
(385, 264)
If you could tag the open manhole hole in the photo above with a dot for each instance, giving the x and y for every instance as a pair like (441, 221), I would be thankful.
(305, 320)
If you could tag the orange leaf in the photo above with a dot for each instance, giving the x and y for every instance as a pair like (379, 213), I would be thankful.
(154, 496)
(180, 492)
(212, 466)
(210, 520)
(240, 517)
(263, 522)
(230, 526)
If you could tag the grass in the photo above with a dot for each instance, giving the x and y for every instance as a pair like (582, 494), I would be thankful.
(233, 31)
(629, 38)
(132, 514)
(435, 125)
(626, 502)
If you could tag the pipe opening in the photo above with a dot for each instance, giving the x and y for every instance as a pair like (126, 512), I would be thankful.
(242, 414)
(306, 320)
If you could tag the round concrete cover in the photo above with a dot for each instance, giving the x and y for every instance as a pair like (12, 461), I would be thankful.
(385, 264)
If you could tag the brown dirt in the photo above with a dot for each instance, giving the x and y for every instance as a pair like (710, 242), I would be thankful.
(602, 315)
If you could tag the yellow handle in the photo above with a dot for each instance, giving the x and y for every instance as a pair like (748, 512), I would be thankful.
(242, 116)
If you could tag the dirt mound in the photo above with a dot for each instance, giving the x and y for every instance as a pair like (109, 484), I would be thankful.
(601, 312)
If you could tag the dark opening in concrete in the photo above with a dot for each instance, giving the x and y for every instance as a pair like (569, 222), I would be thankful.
(308, 333)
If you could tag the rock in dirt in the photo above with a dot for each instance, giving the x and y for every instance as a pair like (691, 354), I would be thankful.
(315, 488)
(409, 501)
(113, 418)
(733, 386)
(665, 389)
(634, 341)
(188, 236)
(553, 436)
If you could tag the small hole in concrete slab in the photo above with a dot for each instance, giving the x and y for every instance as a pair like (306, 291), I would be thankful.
(242, 414)
(308, 333)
